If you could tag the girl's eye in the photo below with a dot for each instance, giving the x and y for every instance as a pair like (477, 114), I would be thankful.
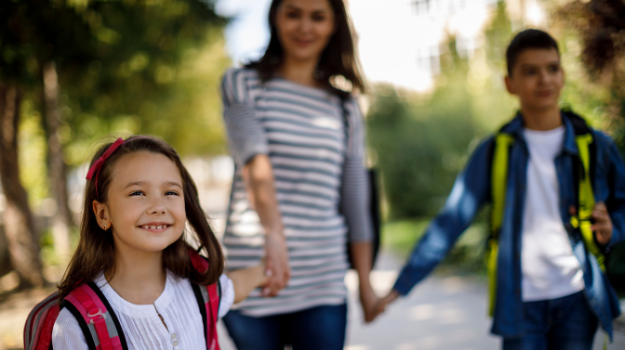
(319, 18)
(172, 193)
(292, 14)
(137, 193)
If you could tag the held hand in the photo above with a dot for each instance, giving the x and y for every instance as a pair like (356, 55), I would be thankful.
(381, 304)
(277, 264)
(603, 224)
(368, 300)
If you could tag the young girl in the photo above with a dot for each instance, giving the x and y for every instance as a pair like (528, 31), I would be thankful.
(138, 200)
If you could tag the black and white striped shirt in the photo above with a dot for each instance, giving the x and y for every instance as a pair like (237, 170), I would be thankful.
(302, 131)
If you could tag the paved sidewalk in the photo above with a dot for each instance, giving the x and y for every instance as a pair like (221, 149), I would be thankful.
(442, 313)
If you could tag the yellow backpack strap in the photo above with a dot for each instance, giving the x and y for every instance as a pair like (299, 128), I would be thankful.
(499, 176)
(586, 200)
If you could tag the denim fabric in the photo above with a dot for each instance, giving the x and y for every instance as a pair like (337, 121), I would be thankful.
(472, 190)
(321, 327)
(565, 323)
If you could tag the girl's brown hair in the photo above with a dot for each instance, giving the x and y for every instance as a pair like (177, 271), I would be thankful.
(338, 58)
(96, 251)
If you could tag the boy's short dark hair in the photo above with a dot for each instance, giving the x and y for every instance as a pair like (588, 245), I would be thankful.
(528, 39)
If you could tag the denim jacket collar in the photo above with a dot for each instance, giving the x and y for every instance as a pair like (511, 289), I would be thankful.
(515, 128)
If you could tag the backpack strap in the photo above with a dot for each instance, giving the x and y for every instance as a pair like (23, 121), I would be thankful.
(499, 180)
(208, 299)
(585, 195)
(96, 318)
(40, 322)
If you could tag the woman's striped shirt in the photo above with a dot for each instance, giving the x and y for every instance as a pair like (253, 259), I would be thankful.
(316, 171)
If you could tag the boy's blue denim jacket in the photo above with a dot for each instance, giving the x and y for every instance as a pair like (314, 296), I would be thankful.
(472, 189)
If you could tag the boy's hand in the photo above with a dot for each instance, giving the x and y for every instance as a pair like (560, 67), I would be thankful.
(603, 224)
(380, 306)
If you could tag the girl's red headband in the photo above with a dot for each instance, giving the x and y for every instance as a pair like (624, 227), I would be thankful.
(97, 165)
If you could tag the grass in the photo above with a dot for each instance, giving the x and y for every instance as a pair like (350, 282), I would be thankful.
(466, 257)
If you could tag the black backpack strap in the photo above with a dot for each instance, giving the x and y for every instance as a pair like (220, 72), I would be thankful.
(200, 295)
(81, 322)
(89, 332)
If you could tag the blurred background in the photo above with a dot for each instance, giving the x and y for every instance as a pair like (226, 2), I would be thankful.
(77, 73)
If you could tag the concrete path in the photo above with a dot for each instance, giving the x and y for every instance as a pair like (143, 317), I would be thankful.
(441, 313)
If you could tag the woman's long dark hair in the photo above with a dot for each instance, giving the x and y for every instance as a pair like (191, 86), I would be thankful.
(338, 58)
(96, 250)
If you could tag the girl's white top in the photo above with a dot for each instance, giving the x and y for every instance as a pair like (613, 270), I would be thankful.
(141, 323)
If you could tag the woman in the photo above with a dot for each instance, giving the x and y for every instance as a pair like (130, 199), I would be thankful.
(300, 190)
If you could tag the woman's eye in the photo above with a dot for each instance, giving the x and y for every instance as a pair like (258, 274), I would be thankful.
(137, 193)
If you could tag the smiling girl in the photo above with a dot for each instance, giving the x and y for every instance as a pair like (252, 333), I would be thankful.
(141, 207)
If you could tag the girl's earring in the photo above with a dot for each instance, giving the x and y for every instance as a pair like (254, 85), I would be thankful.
(104, 227)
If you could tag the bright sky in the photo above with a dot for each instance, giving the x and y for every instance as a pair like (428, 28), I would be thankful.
(398, 40)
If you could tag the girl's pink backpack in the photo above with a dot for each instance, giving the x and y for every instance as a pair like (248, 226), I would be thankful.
(99, 323)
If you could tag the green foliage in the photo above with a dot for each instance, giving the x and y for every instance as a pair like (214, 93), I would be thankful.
(125, 67)
(467, 255)
(419, 149)
(421, 142)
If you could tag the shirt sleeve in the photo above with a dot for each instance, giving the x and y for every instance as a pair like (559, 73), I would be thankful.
(246, 135)
(227, 295)
(355, 190)
(66, 333)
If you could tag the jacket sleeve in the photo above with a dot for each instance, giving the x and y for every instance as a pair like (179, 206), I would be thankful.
(616, 198)
(470, 191)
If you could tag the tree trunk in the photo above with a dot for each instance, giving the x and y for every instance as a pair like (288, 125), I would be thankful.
(62, 219)
(19, 226)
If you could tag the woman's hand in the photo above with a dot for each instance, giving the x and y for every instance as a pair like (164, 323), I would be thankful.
(261, 192)
(368, 300)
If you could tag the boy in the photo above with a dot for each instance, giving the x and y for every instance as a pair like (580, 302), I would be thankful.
(546, 260)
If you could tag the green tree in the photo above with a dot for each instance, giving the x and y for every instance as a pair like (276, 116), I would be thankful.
(420, 142)
(595, 31)
(99, 67)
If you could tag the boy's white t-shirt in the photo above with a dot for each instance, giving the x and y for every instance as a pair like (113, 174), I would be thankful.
(142, 325)
(550, 270)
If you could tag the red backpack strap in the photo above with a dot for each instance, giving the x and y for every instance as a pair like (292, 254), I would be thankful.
(96, 318)
(208, 298)
(39, 324)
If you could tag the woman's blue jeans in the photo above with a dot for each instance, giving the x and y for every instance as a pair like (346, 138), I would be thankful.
(321, 327)
(565, 323)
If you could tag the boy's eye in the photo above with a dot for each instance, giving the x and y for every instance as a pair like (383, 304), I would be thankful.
(137, 193)
(529, 72)
(292, 14)
(553, 69)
